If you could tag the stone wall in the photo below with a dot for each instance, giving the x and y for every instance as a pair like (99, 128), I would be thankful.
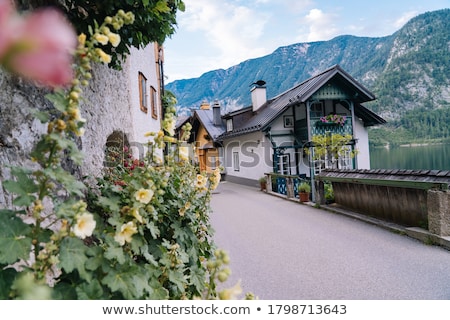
(18, 128)
(110, 106)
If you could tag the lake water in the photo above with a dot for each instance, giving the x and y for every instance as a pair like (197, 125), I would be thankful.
(431, 157)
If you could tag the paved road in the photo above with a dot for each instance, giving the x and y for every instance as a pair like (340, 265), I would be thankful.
(285, 250)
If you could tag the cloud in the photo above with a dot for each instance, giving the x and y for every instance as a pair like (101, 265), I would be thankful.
(231, 30)
(400, 22)
(321, 25)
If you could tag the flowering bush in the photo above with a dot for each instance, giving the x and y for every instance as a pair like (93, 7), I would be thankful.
(142, 233)
(334, 118)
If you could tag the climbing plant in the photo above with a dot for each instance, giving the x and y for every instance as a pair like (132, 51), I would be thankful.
(330, 147)
(142, 232)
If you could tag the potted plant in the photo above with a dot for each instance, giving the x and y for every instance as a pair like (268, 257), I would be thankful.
(263, 183)
(304, 189)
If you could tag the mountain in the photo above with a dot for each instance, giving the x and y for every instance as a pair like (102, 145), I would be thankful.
(408, 72)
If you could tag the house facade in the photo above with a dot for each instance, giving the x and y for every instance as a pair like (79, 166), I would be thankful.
(276, 135)
(207, 126)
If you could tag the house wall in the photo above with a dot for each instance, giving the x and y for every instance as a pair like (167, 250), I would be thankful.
(362, 145)
(278, 127)
(204, 156)
(144, 61)
(255, 158)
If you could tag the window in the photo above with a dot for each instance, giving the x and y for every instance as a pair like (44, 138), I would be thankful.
(283, 164)
(213, 161)
(154, 102)
(317, 109)
(345, 161)
(236, 161)
(229, 124)
(288, 121)
(143, 92)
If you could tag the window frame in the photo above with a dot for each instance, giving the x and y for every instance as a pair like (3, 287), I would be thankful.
(236, 166)
(143, 103)
(154, 102)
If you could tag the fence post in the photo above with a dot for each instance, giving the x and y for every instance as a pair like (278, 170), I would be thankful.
(268, 182)
(319, 192)
(289, 188)
(438, 202)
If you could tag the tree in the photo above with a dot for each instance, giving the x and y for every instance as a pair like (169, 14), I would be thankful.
(154, 20)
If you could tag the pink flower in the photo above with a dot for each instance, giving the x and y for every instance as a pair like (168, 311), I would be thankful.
(39, 46)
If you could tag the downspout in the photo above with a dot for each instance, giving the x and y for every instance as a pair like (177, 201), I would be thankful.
(297, 167)
(352, 110)
(311, 154)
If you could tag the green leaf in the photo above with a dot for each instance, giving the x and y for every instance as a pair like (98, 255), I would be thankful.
(112, 203)
(59, 100)
(15, 242)
(73, 257)
(96, 258)
(24, 201)
(154, 231)
(41, 115)
(7, 277)
(122, 282)
(70, 183)
(90, 291)
(115, 253)
(197, 278)
(64, 291)
(178, 278)
(23, 185)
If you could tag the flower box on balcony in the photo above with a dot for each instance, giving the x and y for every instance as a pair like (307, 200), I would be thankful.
(332, 120)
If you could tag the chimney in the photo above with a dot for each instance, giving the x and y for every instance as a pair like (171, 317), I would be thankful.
(217, 120)
(204, 105)
(259, 95)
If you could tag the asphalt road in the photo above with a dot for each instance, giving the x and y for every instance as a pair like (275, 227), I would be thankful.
(281, 250)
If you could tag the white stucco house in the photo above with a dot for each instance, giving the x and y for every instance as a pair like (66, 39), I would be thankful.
(137, 108)
(272, 135)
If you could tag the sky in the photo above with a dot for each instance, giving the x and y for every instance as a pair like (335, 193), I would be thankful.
(218, 34)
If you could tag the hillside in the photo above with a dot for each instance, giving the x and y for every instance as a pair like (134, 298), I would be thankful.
(407, 71)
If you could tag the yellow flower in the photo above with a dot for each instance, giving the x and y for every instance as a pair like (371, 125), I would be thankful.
(215, 179)
(126, 233)
(114, 38)
(80, 132)
(101, 38)
(231, 293)
(183, 153)
(144, 195)
(84, 226)
(105, 58)
(135, 213)
(82, 39)
(201, 181)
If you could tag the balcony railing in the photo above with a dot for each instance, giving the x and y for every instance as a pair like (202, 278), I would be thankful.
(319, 128)
(285, 184)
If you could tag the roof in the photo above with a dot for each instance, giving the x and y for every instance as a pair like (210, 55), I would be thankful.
(301, 93)
(181, 120)
(206, 119)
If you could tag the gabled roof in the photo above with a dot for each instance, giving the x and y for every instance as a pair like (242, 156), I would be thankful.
(181, 120)
(274, 107)
(205, 117)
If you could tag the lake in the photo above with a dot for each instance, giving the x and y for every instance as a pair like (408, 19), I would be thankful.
(428, 157)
